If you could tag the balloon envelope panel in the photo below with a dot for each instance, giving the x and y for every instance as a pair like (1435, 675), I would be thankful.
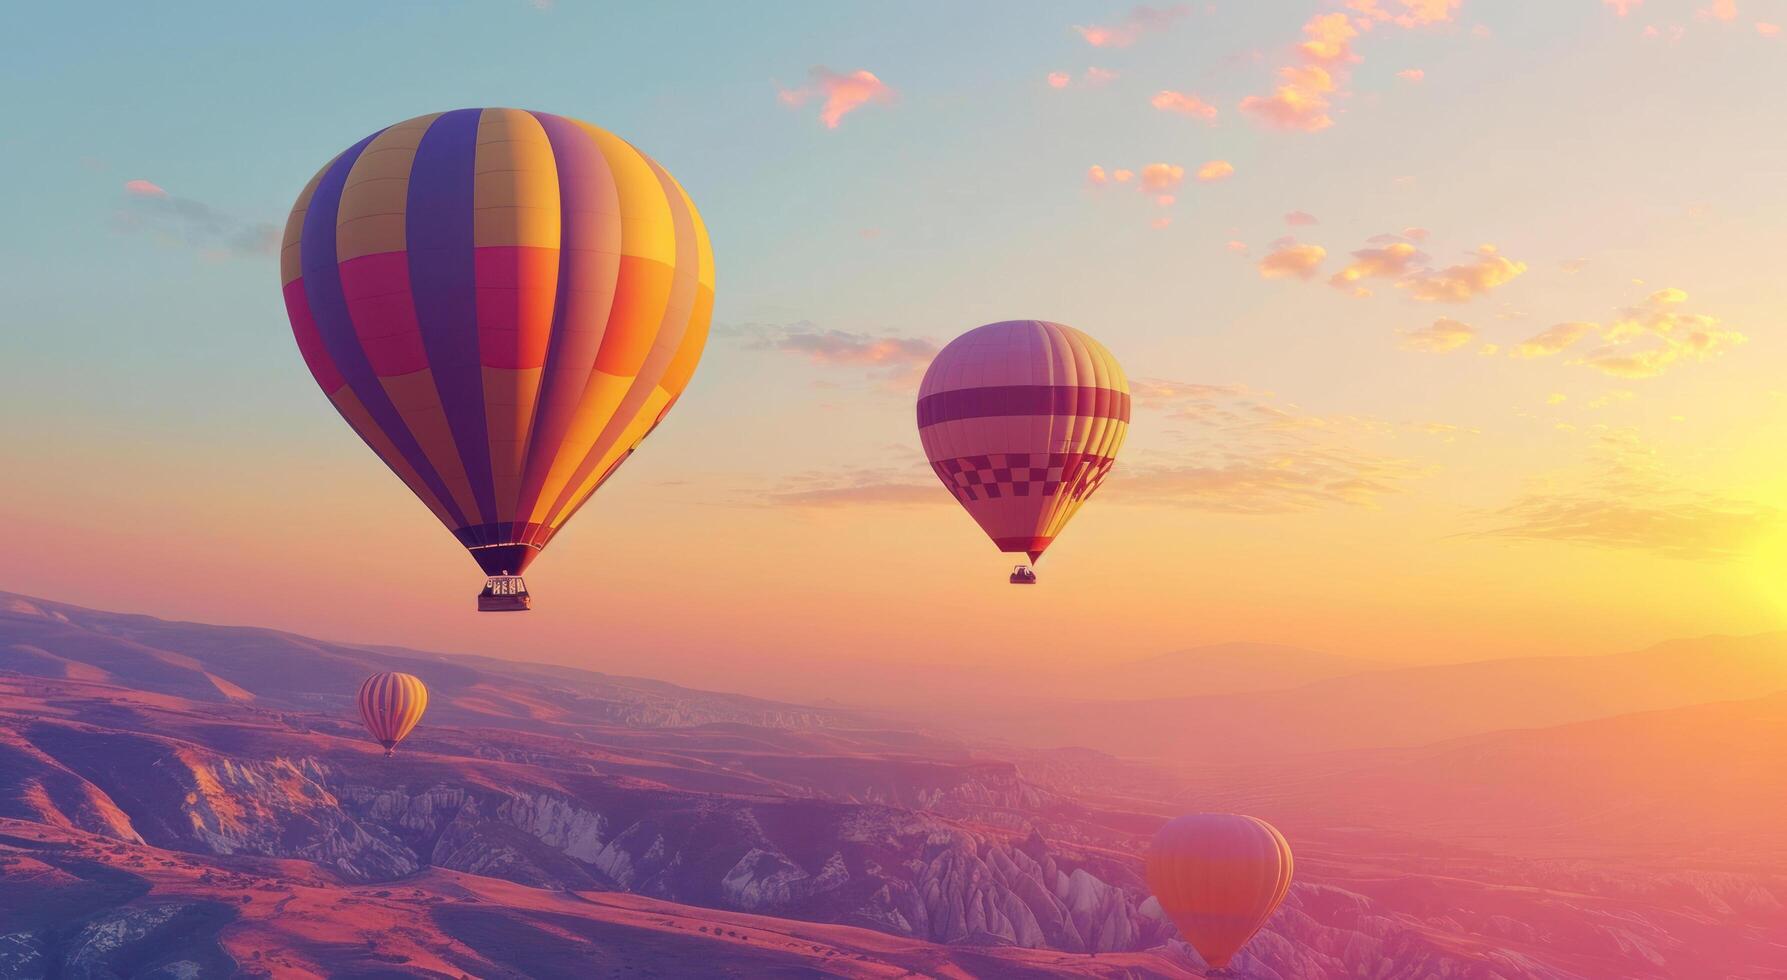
(391, 704)
(1219, 877)
(502, 304)
(1022, 421)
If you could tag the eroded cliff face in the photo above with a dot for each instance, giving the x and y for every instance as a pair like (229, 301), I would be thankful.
(927, 874)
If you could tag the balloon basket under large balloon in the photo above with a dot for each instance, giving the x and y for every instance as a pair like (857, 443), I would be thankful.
(504, 593)
(1023, 575)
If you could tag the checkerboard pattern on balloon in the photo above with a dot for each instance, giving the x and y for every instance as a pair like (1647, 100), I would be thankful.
(997, 475)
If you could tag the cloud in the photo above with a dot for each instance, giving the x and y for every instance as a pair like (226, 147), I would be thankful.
(843, 93)
(1238, 247)
(149, 209)
(1411, 74)
(1059, 79)
(912, 485)
(1391, 261)
(1290, 258)
(1140, 21)
(1215, 170)
(1099, 76)
(1725, 10)
(1159, 178)
(1442, 335)
(1184, 104)
(1299, 102)
(1624, 497)
(1463, 282)
(1413, 13)
(1767, 29)
(1296, 218)
(1623, 7)
(1551, 340)
(1245, 453)
(1645, 340)
(1303, 96)
(843, 347)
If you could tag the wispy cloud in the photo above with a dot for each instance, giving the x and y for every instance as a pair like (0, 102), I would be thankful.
(1643, 341)
(1304, 95)
(1247, 453)
(1299, 218)
(1184, 104)
(1390, 260)
(1624, 497)
(1552, 339)
(893, 360)
(149, 209)
(860, 486)
(842, 93)
(1441, 336)
(1139, 22)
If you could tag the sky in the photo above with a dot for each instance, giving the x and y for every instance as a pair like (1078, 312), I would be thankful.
(1453, 327)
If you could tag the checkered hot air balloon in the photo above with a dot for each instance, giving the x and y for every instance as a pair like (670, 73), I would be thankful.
(1219, 877)
(1022, 420)
(390, 704)
(502, 304)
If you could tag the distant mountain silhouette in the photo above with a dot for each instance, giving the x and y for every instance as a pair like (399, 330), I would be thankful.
(1404, 706)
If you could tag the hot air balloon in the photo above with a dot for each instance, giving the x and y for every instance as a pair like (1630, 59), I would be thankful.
(1219, 877)
(390, 705)
(502, 304)
(1022, 420)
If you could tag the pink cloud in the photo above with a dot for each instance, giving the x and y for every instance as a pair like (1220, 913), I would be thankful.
(1183, 103)
(1215, 170)
(1767, 29)
(1300, 102)
(1139, 21)
(1414, 13)
(1328, 40)
(1059, 79)
(843, 93)
(143, 188)
(1290, 258)
(1303, 97)
(1725, 10)
(1160, 222)
(1392, 261)
(1551, 340)
(1296, 218)
(1623, 7)
(1460, 283)
(1239, 248)
(1159, 178)
(1411, 74)
(1441, 336)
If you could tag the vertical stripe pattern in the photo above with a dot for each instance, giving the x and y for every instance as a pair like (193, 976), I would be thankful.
(1219, 877)
(391, 704)
(502, 304)
(1022, 421)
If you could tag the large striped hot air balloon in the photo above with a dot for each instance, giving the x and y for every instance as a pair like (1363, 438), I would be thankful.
(502, 304)
(1022, 420)
(390, 704)
(1219, 877)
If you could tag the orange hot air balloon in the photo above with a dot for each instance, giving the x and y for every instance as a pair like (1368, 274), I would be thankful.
(1022, 420)
(1219, 877)
(502, 304)
(390, 704)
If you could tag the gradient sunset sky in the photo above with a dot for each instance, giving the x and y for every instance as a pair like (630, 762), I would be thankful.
(1454, 327)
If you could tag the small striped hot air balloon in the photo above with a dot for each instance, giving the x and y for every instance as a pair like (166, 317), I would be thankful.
(502, 304)
(390, 704)
(1219, 877)
(1022, 420)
